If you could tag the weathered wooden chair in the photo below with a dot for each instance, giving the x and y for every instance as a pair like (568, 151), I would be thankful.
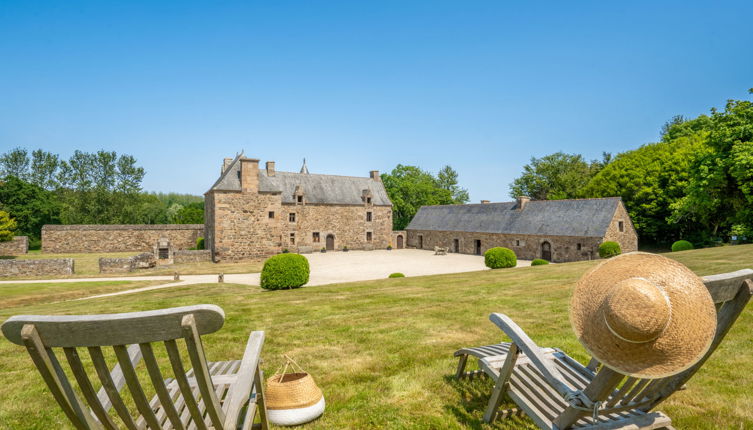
(557, 392)
(218, 395)
(438, 250)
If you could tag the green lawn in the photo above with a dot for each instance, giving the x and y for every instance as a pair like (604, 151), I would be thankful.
(87, 265)
(382, 350)
(13, 295)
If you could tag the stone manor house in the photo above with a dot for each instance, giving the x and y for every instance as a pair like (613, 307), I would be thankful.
(253, 212)
(555, 230)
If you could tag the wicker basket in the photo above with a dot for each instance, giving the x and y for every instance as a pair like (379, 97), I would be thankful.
(293, 398)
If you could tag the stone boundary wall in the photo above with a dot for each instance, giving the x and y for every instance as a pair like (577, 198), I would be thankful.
(192, 256)
(117, 237)
(19, 245)
(45, 267)
(127, 264)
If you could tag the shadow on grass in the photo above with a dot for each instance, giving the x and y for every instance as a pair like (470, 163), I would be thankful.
(474, 396)
(8, 257)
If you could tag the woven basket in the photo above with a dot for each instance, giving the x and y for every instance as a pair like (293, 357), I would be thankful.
(293, 398)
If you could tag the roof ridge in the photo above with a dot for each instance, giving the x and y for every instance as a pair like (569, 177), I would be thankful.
(320, 174)
(531, 201)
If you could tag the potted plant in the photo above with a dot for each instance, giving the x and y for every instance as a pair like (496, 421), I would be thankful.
(345, 248)
(285, 251)
(323, 250)
(389, 247)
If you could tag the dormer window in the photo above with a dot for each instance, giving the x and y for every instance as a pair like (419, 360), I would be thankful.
(299, 199)
(368, 200)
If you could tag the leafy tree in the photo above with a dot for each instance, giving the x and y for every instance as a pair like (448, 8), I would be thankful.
(447, 178)
(193, 213)
(409, 188)
(15, 163)
(30, 205)
(556, 176)
(44, 168)
(7, 227)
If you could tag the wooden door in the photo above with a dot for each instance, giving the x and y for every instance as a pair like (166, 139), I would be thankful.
(400, 242)
(330, 242)
(546, 251)
(478, 247)
(456, 246)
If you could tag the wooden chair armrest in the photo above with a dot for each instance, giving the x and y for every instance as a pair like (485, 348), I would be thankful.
(532, 351)
(134, 353)
(240, 392)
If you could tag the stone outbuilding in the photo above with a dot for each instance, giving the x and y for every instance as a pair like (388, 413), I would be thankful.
(253, 212)
(555, 230)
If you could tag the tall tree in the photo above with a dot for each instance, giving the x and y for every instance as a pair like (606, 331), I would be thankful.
(447, 178)
(409, 188)
(44, 168)
(556, 176)
(15, 163)
(30, 205)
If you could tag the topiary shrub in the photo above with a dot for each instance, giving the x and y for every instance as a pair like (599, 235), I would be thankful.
(499, 258)
(396, 275)
(609, 249)
(200, 243)
(284, 271)
(682, 245)
(539, 262)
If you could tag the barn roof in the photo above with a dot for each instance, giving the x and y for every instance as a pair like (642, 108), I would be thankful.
(584, 217)
(317, 189)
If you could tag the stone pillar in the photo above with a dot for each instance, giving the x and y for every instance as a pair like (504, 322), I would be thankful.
(270, 168)
(374, 174)
(225, 164)
(249, 175)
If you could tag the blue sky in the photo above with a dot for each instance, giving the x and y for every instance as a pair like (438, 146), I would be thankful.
(355, 86)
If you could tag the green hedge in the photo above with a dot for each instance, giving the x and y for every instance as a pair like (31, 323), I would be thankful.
(285, 271)
(609, 249)
(539, 262)
(200, 243)
(396, 275)
(682, 245)
(499, 258)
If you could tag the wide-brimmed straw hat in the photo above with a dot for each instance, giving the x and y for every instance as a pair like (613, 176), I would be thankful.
(643, 315)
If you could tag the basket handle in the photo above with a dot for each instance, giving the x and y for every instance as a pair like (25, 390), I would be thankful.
(288, 362)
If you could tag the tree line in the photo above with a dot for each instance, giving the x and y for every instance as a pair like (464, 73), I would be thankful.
(102, 187)
(695, 183)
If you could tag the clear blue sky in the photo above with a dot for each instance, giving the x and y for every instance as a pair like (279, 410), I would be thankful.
(355, 86)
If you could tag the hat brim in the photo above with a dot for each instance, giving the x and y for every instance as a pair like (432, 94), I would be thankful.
(685, 340)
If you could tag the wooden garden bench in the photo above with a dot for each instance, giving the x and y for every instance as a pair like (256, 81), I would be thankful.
(211, 395)
(557, 392)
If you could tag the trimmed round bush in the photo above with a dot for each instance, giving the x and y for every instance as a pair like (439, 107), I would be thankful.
(539, 262)
(609, 249)
(500, 258)
(396, 275)
(199, 243)
(284, 271)
(682, 245)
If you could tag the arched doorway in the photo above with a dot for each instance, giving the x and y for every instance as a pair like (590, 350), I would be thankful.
(546, 251)
(330, 242)
(399, 241)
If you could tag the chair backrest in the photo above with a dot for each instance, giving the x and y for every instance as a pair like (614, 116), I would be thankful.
(131, 337)
(730, 292)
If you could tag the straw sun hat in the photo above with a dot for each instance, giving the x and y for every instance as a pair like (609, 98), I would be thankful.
(643, 315)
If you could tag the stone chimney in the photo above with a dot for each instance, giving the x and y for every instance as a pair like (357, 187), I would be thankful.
(485, 202)
(225, 164)
(374, 174)
(522, 202)
(249, 175)
(270, 168)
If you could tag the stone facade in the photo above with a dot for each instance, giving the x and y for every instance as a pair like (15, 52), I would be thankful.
(248, 218)
(43, 267)
(622, 231)
(192, 256)
(19, 245)
(144, 260)
(399, 239)
(117, 238)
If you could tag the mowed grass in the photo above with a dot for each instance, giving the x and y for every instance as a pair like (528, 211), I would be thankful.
(13, 295)
(87, 265)
(382, 350)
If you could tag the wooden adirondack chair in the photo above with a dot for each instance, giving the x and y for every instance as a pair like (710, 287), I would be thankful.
(557, 392)
(219, 395)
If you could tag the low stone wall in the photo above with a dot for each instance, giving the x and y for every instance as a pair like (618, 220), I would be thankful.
(127, 264)
(46, 267)
(118, 237)
(19, 245)
(192, 256)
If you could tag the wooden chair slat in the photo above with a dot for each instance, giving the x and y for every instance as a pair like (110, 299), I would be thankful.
(79, 372)
(259, 398)
(165, 400)
(503, 381)
(620, 394)
(238, 395)
(134, 386)
(203, 377)
(78, 407)
(180, 376)
(598, 390)
(110, 387)
(41, 359)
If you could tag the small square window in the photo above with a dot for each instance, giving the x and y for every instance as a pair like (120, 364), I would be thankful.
(517, 243)
(300, 199)
(292, 238)
(621, 226)
(291, 217)
(271, 215)
(579, 247)
(315, 237)
(368, 236)
(368, 216)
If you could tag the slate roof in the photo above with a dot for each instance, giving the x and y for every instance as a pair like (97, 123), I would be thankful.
(317, 189)
(584, 217)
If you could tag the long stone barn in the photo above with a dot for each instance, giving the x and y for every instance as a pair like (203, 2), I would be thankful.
(555, 230)
(254, 213)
